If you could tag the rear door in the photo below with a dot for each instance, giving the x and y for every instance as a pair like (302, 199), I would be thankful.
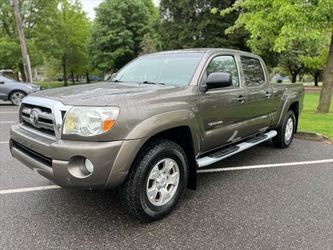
(259, 104)
(222, 109)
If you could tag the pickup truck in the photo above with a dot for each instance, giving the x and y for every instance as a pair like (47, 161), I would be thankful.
(159, 119)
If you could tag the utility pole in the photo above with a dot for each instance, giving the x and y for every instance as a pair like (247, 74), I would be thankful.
(24, 50)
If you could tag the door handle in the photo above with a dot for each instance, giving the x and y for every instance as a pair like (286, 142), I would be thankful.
(2, 82)
(240, 98)
(268, 95)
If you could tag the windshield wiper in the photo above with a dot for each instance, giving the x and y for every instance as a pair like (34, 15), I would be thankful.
(149, 82)
(116, 81)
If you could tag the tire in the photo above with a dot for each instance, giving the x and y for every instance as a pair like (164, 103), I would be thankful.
(16, 97)
(147, 174)
(285, 133)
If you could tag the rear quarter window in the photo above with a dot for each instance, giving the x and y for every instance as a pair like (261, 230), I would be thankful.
(253, 72)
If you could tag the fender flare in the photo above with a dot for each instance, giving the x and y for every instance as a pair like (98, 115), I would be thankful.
(286, 105)
(142, 133)
(162, 122)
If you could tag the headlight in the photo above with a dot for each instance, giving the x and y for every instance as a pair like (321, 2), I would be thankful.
(90, 121)
(34, 87)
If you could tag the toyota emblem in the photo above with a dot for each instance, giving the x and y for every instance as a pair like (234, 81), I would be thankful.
(34, 116)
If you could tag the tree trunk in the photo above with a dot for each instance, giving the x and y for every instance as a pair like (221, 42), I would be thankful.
(316, 78)
(87, 77)
(73, 78)
(316, 81)
(294, 77)
(21, 67)
(64, 67)
(327, 89)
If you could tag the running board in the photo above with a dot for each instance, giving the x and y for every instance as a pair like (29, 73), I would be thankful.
(226, 152)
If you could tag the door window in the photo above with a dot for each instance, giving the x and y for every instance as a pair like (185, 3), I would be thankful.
(253, 71)
(225, 64)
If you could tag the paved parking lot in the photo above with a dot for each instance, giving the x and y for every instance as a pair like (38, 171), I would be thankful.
(263, 205)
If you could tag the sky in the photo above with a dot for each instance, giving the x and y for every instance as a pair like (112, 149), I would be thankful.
(89, 5)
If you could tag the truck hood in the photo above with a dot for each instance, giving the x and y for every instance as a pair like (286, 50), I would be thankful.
(108, 94)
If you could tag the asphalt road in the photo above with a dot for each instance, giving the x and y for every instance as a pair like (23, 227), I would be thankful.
(262, 208)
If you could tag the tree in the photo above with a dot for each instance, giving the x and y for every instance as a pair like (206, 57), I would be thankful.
(56, 30)
(33, 13)
(190, 24)
(315, 63)
(291, 61)
(278, 24)
(118, 32)
(64, 36)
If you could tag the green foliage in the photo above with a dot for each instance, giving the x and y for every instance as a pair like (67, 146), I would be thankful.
(33, 14)
(282, 25)
(119, 31)
(56, 30)
(279, 23)
(50, 84)
(316, 56)
(190, 24)
(288, 25)
(63, 37)
(10, 53)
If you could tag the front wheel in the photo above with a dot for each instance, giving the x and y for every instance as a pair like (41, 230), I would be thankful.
(286, 132)
(16, 97)
(156, 180)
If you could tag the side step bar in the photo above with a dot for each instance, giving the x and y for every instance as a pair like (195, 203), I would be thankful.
(226, 152)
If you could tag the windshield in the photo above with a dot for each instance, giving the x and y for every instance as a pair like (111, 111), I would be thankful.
(167, 69)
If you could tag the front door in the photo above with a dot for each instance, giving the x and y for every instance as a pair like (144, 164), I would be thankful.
(222, 109)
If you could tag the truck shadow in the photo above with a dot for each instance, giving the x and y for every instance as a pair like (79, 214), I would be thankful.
(101, 210)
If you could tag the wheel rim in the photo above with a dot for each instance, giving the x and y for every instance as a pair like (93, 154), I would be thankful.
(163, 181)
(17, 98)
(289, 129)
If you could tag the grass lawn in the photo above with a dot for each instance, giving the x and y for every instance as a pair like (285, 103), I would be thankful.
(49, 85)
(310, 121)
(56, 84)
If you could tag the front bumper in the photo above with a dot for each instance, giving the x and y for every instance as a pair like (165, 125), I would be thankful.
(62, 161)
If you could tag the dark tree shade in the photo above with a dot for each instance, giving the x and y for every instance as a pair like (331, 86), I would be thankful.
(118, 33)
(190, 24)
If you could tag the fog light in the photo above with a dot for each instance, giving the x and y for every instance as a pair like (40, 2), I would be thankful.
(89, 166)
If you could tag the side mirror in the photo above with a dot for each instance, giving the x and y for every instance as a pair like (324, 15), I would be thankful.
(219, 80)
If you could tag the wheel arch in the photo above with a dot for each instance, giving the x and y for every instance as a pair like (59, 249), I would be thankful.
(289, 104)
(131, 149)
(294, 106)
(182, 135)
(16, 90)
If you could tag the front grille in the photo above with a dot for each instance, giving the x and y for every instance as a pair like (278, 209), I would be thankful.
(43, 120)
(36, 156)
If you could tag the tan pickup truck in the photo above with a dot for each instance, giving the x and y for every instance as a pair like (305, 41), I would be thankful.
(158, 120)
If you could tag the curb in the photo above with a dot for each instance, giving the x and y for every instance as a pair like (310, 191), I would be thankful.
(313, 137)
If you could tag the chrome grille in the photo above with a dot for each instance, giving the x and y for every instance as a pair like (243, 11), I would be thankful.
(50, 114)
(37, 117)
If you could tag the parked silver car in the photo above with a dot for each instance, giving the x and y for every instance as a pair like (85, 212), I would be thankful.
(15, 91)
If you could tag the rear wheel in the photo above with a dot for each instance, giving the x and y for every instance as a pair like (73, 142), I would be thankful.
(16, 97)
(156, 180)
(286, 132)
